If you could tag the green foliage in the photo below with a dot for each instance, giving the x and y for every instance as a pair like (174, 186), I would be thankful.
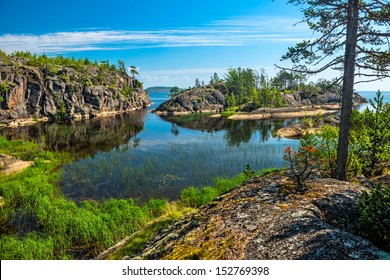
(229, 112)
(285, 80)
(326, 143)
(74, 231)
(133, 71)
(173, 92)
(4, 87)
(52, 227)
(214, 79)
(195, 197)
(249, 173)
(24, 150)
(127, 91)
(6, 58)
(240, 83)
(369, 146)
(50, 64)
(197, 83)
(374, 216)
(88, 83)
(373, 134)
(121, 66)
(139, 84)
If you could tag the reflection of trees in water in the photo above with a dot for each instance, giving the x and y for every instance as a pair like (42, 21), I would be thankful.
(236, 131)
(239, 132)
(242, 131)
(175, 129)
(84, 138)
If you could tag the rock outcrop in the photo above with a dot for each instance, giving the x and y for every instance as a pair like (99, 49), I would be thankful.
(193, 101)
(29, 92)
(298, 130)
(212, 99)
(266, 219)
(9, 165)
(302, 98)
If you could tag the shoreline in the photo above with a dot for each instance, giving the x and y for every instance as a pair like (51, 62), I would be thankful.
(22, 122)
(264, 113)
(286, 112)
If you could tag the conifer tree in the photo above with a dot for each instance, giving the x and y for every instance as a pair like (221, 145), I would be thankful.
(352, 36)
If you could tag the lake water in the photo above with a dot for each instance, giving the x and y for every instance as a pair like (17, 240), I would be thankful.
(162, 158)
(140, 155)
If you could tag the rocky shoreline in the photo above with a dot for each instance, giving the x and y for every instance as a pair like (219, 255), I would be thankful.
(265, 219)
(30, 94)
(287, 112)
(15, 123)
(211, 100)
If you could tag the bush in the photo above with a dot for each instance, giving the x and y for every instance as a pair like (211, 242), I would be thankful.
(374, 216)
(373, 134)
(304, 161)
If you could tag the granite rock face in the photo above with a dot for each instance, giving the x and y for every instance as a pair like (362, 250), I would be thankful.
(195, 100)
(36, 92)
(265, 219)
(306, 99)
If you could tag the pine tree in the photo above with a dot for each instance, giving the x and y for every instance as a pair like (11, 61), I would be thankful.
(353, 37)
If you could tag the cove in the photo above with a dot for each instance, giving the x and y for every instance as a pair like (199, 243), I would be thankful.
(157, 158)
(142, 156)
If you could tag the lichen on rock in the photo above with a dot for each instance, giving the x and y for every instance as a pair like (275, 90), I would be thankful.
(265, 219)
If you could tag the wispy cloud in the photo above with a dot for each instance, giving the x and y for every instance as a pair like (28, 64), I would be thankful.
(232, 32)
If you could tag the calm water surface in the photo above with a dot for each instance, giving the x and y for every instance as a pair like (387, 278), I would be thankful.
(141, 155)
(162, 158)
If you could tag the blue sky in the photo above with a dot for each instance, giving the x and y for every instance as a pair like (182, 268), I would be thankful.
(171, 42)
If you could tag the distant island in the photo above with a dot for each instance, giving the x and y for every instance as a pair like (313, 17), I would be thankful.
(158, 89)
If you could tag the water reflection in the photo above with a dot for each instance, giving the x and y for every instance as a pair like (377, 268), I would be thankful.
(141, 155)
(83, 138)
(171, 156)
(237, 132)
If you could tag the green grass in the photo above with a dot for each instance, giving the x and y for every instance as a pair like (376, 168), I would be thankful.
(139, 240)
(38, 222)
(228, 113)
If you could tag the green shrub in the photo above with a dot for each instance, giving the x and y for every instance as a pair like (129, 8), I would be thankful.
(374, 216)
(372, 130)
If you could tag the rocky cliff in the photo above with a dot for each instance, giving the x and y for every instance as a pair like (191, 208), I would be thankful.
(266, 219)
(59, 91)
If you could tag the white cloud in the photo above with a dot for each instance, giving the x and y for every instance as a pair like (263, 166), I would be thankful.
(232, 32)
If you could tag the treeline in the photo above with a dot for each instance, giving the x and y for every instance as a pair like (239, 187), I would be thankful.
(93, 73)
(59, 60)
(247, 86)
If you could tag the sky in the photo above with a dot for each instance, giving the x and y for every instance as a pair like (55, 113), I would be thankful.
(171, 42)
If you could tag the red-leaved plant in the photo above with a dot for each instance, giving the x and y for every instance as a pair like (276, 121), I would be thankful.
(302, 163)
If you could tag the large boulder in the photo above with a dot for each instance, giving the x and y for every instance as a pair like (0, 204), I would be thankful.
(196, 100)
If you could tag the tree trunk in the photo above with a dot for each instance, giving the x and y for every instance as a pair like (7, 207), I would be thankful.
(347, 90)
